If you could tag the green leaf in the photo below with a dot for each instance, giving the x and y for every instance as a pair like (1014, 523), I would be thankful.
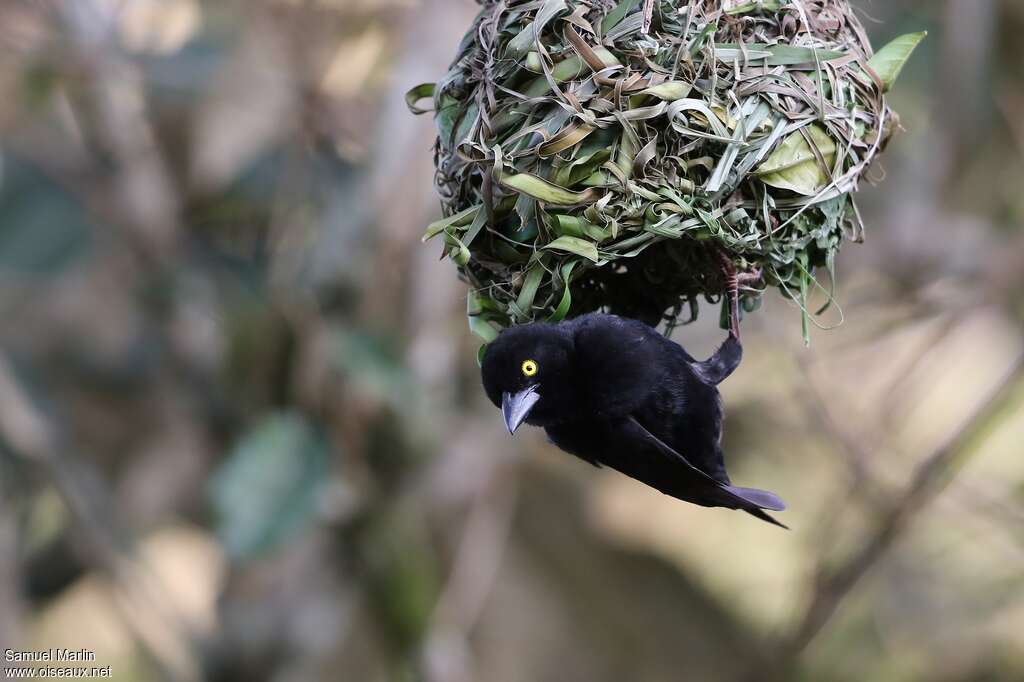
(460, 219)
(629, 147)
(574, 226)
(469, 117)
(542, 190)
(580, 247)
(763, 6)
(568, 137)
(592, 152)
(520, 45)
(777, 55)
(270, 485)
(459, 252)
(563, 305)
(570, 226)
(889, 61)
(570, 67)
(669, 91)
(482, 328)
(448, 115)
(612, 19)
(475, 227)
(420, 92)
(794, 166)
(474, 316)
(530, 285)
(565, 70)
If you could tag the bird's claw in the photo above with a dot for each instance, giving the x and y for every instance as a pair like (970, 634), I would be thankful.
(749, 278)
(733, 280)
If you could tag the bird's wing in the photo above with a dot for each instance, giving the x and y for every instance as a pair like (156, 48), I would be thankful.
(663, 467)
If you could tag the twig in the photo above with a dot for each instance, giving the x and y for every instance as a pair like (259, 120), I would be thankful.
(471, 581)
(816, 405)
(138, 593)
(931, 476)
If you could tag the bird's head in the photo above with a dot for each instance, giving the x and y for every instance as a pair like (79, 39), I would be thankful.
(527, 372)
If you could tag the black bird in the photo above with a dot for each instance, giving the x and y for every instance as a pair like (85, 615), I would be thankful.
(615, 392)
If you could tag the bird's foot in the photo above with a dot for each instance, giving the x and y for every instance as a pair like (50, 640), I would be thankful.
(749, 278)
(733, 280)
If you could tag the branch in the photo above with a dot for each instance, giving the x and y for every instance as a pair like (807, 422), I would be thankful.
(932, 475)
(138, 595)
(475, 570)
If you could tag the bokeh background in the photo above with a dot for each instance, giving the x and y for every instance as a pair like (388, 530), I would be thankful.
(241, 430)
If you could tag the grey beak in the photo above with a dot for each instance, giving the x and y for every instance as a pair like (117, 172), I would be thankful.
(515, 408)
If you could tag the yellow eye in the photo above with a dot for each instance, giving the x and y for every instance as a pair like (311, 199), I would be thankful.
(530, 368)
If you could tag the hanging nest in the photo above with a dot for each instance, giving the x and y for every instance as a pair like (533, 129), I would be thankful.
(593, 155)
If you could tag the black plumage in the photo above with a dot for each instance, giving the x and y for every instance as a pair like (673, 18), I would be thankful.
(615, 392)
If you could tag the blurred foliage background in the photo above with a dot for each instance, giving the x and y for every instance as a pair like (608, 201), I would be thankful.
(241, 430)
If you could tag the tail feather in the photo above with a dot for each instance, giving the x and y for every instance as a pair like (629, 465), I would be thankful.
(766, 517)
(761, 498)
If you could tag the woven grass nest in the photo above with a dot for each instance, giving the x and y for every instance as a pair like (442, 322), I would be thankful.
(594, 155)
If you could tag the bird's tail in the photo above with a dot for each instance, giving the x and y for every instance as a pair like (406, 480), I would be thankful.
(759, 501)
(762, 498)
